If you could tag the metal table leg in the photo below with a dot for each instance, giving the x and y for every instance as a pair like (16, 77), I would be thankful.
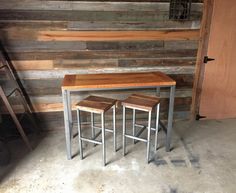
(170, 117)
(67, 123)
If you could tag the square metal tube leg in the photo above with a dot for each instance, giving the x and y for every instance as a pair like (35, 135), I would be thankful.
(79, 134)
(92, 127)
(134, 127)
(157, 124)
(103, 140)
(170, 117)
(124, 132)
(149, 135)
(67, 123)
(114, 127)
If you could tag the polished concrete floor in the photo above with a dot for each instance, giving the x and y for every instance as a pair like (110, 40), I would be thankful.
(203, 159)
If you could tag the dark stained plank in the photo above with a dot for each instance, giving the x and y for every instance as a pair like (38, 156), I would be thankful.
(102, 54)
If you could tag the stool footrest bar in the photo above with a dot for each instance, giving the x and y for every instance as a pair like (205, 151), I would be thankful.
(137, 138)
(90, 140)
(108, 130)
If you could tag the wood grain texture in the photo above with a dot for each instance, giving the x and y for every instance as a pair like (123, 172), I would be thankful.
(218, 89)
(141, 102)
(41, 65)
(89, 6)
(116, 80)
(103, 54)
(202, 52)
(117, 35)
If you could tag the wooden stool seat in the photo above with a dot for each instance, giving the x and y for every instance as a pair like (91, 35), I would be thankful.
(95, 104)
(141, 102)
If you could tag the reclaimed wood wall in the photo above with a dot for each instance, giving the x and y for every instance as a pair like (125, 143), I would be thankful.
(47, 39)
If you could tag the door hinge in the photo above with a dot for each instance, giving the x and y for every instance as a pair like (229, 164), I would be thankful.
(206, 59)
(198, 117)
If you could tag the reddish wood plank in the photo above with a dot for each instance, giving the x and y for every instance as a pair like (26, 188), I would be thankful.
(117, 35)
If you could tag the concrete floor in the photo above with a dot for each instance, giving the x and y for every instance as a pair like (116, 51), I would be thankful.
(202, 160)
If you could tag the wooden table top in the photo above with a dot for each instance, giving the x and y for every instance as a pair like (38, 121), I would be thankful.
(116, 80)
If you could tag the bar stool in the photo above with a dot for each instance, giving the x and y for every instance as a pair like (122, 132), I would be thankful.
(97, 105)
(146, 104)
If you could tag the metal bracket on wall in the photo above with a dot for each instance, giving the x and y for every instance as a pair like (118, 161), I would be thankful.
(207, 59)
(198, 117)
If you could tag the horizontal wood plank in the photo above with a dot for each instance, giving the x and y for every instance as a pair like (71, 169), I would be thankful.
(89, 6)
(40, 87)
(98, 25)
(102, 54)
(25, 65)
(117, 35)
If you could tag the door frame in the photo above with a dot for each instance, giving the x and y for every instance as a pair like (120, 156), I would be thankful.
(202, 52)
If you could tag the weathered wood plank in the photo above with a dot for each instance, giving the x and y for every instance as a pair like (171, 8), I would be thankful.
(82, 15)
(53, 46)
(98, 25)
(125, 25)
(53, 86)
(149, 62)
(125, 45)
(60, 73)
(190, 44)
(24, 65)
(72, 15)
(26, 46)
(118, 35)
(89, 6)
(29, 46)
(102, 54)
(8, 25)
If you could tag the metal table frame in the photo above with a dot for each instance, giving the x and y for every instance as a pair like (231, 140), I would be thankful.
(68, 112)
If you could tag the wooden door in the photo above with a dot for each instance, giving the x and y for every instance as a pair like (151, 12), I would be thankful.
(218, 97)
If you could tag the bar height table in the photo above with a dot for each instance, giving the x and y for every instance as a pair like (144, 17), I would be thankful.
(112, 81)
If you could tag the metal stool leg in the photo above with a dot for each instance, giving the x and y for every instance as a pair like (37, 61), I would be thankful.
(134, 128)
(79, 134)
(92, 127)
(148, 135)
(124, 132)
(103, 140)
(114, 127)
(157, 124)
